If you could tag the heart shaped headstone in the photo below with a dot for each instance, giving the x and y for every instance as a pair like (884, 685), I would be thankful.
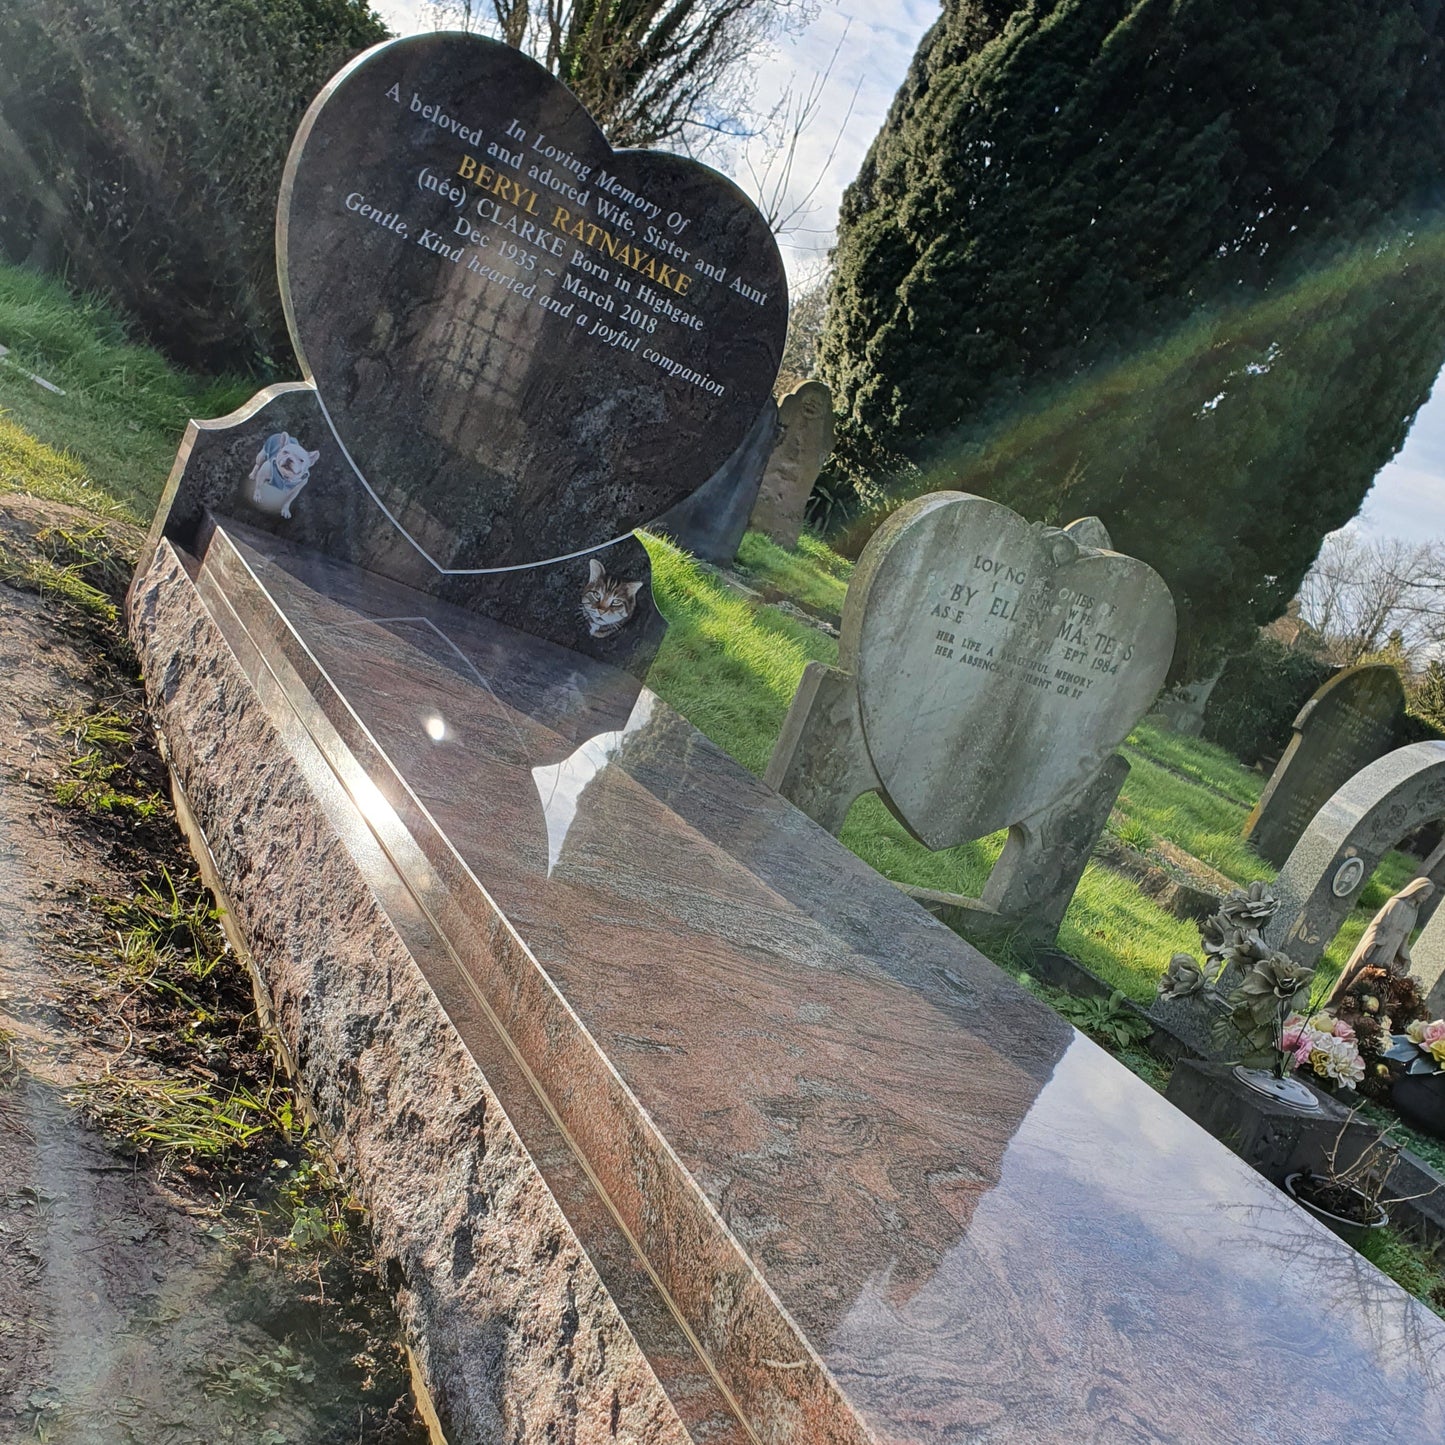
(998, 662)
(526, 343)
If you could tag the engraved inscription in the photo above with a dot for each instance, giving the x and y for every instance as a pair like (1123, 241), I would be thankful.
(997, 612)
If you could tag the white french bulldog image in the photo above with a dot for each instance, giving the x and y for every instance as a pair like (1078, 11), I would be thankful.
(283, 467)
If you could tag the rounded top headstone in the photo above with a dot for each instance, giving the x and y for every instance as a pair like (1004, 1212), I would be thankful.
(526, 343)
(999, 662)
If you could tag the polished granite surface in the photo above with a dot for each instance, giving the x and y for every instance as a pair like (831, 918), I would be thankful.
(892, 1197)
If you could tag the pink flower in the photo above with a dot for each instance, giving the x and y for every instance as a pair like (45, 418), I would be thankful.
(1291, 1039)
(1302, 1053)
(1342, 1030)
(1433, 1032)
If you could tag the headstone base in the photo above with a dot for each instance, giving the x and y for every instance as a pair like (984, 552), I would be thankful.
(820, 763)
(1273, 1137)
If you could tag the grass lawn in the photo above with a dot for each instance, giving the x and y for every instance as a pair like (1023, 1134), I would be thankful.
(728, 664)
(1198, 760)
(124, 409)
(731, 665)
(1162, 804)
(813, 575)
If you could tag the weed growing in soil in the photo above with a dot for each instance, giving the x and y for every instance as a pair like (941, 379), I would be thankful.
(105, 746)
(65, 583)
(1133, 834)
(165, 922)
(82, 567)
(259, 1378)
(1419, 1271)
(168, 1117)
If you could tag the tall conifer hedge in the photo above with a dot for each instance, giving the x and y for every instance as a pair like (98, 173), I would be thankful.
(1172, 263)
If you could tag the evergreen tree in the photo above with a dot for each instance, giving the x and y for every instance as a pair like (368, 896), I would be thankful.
(1194, 228)
(141, 150)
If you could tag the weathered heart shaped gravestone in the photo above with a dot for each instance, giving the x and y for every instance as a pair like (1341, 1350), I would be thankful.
(998, 663)
(526, 342)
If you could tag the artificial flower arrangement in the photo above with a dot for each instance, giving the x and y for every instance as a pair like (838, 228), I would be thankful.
(1421, 1048)
(1256, 989)
(1378, 1005)
(1417, 1085)
(1323, 1045)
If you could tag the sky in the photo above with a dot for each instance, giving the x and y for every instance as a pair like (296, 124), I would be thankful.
(868, 44)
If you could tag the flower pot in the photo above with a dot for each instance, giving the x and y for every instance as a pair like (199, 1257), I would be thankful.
(1420, 1101)
(1352, 1231)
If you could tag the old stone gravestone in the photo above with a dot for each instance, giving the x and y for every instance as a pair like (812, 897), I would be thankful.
(805, 437)
(988, 667)
(1348, 723)
(1428, 962)
(1352, 831)
(518, 345)
(1181, 709)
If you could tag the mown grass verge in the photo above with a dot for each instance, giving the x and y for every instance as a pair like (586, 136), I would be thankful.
(123, 411)
(731, 666)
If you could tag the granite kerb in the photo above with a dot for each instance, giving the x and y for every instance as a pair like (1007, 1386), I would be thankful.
(512, 1326)
(191, 658)
(711, 1279)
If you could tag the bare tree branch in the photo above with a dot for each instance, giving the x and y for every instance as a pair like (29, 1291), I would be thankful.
(648, 70)
(1363, 592)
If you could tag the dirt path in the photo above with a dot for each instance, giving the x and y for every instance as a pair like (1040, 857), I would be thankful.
(187, 1270)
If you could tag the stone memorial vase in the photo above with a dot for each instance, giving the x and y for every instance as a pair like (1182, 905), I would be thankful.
(1420, 1101)
(1352, 1231)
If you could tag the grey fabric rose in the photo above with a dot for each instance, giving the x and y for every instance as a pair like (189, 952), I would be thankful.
(1248, 908)
(1184, 976)
(1272, 980)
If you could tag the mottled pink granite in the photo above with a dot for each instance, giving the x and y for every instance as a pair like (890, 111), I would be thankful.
(890, 1196)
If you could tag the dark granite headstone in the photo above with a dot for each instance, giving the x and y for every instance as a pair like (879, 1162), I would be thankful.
(1348, 723)
(519, 346)
(527, 343)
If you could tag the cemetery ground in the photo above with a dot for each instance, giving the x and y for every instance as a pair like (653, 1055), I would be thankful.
(130, 1014)
(179, 1260)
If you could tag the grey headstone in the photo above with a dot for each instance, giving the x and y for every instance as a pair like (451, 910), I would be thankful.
(1043, 859)
(805, 437)
(1433, 868)
(1090, 532)
(1321, 880)
(998, 662)
(987, 670)
(1181, 709)
(1428, 963)
(1348, 723)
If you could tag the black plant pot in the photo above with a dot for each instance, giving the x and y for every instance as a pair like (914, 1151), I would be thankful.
(1420, 1100)
(1352, 1231)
